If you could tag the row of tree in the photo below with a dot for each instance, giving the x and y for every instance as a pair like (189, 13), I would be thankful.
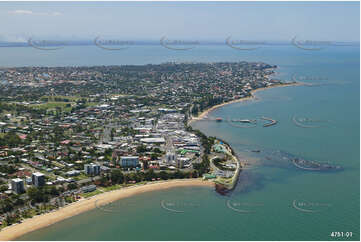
(117, 177)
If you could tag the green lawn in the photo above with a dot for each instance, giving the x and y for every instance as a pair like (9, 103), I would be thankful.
(71, 98)
(111, 188)
(90, 194)
(62, 105)
(53, 105)
(80, 177)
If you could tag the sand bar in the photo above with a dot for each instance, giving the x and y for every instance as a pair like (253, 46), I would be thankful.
(14, 231)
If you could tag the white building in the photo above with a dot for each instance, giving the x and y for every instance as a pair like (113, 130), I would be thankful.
(170, 157)
(153, 140)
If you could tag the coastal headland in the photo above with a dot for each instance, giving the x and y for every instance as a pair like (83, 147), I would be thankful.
(252, 97)
(44, 220)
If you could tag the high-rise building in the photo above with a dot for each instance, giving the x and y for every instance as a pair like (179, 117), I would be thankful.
(92, 169)
(180, 163)
(17, 185)
(38, 179)
(170, 157)
(129, 161)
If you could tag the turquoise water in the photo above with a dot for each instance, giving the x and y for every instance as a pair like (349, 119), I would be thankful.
(264, 204)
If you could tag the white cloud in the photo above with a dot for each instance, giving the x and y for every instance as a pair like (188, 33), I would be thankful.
(28, 12)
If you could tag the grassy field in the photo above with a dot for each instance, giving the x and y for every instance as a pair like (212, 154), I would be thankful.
(53, 105)
(70, 98)
(90, 194)
(64, 106)
(80, 177)
(111, 188)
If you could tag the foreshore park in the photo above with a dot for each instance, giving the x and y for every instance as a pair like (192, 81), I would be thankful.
(71, 133)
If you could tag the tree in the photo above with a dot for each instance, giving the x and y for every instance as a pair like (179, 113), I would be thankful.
(178, 174)
(141, 149)
(157, 150)
(53, 191)
(116, 176)
(202, 167)
(37, 195)
(3, 188)
(103, 181)
(6, 205)
(134, 177)
(149, 175)
(154, 156)
(163, 175)
(72, 186)
(112, 132)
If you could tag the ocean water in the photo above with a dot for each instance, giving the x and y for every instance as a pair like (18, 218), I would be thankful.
(273, 200)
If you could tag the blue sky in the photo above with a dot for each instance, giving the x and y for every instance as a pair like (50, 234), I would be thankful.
(328, 21)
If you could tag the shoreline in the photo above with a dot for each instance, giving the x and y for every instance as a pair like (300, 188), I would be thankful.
(207, 111)
(44, 220)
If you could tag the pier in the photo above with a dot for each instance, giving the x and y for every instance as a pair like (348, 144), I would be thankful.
(252, 122)
(244, 120)
(272, 121)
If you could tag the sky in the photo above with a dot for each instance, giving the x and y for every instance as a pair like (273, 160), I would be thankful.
(271, 21)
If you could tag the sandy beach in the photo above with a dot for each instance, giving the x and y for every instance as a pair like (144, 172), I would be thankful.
(44, 220)
(207, 111)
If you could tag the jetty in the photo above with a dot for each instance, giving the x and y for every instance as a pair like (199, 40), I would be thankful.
(244, 120)
(272, 121)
